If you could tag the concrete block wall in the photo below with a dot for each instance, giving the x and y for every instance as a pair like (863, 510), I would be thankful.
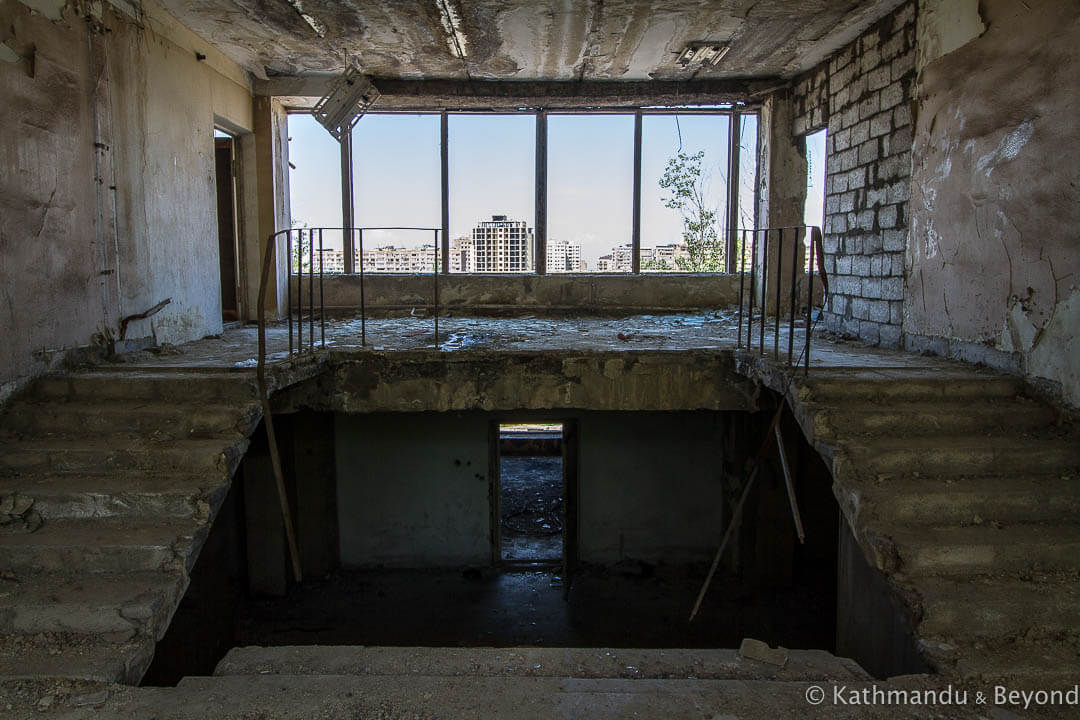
(863, 96)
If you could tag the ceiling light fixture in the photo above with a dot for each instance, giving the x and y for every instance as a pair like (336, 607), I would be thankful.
(703, 53)
(348, 98)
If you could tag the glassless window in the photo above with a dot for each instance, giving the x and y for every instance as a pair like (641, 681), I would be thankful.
(492, 193)
(590, 198)
(814, 210)
(315, 190)
(747, 171)
(684, 175)
(397, 182)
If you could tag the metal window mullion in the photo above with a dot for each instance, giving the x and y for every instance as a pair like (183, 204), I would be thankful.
(635, 241)
(444, 151)
(734, 141)
(347, 208)
(541, 193)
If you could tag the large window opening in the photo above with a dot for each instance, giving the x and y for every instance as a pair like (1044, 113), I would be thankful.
(492, 194)
(397, 183)
(531, 493)
(814, 208)
(590, 197)
(619, 191)
(315, 191)
(684, 192)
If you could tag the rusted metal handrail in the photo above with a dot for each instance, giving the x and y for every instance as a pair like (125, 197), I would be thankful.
(355, 237)
(759, 288)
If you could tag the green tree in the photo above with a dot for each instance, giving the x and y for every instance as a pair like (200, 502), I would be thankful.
(686, 184)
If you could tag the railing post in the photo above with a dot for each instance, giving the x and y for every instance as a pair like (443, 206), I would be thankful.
(764, 289)
(742, 281)
(363, 309)
(815, 238)
(794, 292)
(436, 273)
(753, 291)
(779, 286)
(299, 290)
(311, 289)
(288, 282)
(322, 294)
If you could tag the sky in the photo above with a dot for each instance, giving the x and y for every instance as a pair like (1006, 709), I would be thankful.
(590, 174)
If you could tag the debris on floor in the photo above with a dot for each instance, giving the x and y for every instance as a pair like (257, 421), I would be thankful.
(17, 514)
(752, 649)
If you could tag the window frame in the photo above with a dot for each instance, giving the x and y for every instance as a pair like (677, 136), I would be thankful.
(733, 112)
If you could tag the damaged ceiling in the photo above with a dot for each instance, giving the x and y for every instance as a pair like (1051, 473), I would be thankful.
(527, 39)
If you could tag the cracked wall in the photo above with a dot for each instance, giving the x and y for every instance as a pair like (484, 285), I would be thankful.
(107, 191)
(992, 258)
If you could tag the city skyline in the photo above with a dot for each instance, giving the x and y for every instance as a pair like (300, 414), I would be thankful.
(590, 170)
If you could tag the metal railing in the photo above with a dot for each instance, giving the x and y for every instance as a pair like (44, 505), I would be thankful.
(766, 287)
(301, 246)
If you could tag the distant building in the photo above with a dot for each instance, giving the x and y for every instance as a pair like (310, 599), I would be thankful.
(653, 259)
(500, 245)
(333, 261)
(563, 256)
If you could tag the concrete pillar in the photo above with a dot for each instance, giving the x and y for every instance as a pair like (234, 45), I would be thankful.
(272, 187)
(782, 195)
(267, 551)
(315, 480)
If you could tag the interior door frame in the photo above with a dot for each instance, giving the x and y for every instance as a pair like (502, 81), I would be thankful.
(570, 521)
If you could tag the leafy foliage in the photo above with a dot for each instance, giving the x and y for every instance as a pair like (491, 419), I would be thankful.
(686, 183)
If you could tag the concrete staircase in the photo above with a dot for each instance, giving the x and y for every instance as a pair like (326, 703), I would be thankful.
(126, 469)
(396, 683)
(965, 492)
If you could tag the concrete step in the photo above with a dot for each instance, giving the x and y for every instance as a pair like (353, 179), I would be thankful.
(74, 657)
(213, 457)
(984, 549)
(516, 698)
(1033, 666)
(183, 386)
(890, 385)
(527, 662)
(970, 500)
(952, 456)
(85, 604)
(974, 417)
(997, 607)
(146, 419)
(127, 495)
(103, 545)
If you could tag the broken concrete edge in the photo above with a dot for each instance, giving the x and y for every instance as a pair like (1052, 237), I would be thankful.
(879, 552)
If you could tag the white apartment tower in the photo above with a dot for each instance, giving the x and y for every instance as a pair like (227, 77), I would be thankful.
(563, 256)
(501, 245)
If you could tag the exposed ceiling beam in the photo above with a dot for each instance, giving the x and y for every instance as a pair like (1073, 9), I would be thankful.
(302, 92)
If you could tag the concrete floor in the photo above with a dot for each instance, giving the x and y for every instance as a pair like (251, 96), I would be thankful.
(631, 604)
(531, 508)
(707, 329)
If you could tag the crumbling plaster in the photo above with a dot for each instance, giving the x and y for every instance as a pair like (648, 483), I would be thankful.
(525, 39)
(108, 181)
(992, 258)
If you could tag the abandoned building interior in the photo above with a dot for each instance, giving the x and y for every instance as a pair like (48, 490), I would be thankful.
(351, 370)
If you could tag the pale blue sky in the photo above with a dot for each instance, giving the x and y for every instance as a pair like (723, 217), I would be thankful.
(590, 173)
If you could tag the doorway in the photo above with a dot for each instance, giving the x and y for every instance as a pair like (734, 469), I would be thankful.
(532, 495)
(224, 164)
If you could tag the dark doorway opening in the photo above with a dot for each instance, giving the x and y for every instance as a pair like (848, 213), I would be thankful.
(224, 154)
(531, 493)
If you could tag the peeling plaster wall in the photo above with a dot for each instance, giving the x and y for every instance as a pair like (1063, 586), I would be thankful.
(994, 252)
(107, 182)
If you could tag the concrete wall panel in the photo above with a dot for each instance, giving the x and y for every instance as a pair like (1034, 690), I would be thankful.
(993, 259)
(107, 190)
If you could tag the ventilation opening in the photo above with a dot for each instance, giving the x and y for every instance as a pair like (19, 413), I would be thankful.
(532, 495)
